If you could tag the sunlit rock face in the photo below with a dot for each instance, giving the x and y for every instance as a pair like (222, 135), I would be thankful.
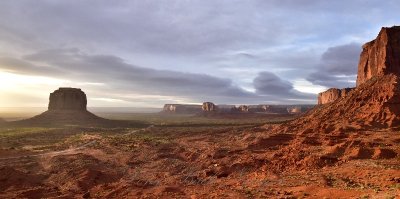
(380, 56)
(68, 99)
(332, 94)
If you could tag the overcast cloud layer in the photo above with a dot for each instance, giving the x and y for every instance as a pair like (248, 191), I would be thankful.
(147, 53)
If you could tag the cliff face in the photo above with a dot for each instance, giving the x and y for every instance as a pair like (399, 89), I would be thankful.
(373, 104)
(332, 94)
(380, 56)
(68, 99)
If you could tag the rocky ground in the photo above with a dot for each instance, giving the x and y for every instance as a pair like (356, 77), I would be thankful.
(201, 162)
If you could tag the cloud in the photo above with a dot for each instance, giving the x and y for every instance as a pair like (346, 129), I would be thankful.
(116, 77)
(269, 85)
(192, 49)
(123, 77)
(337, 67)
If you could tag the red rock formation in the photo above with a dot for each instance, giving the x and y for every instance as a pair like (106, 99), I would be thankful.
(68, 99)
(332, 94)
(373, 104)
(243, 108)
(67, 106)
(294, 110)
(182, 108)
(380, 56)
(209, 107)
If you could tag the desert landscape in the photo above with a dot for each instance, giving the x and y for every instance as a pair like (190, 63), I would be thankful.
(347, 146)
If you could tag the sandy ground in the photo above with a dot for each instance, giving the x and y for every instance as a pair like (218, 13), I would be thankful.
(223, 162)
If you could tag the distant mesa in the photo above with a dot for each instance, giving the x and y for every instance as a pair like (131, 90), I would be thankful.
(181, 108)
(242, 109)
(209, 107)
(68, 106)
(68, 99)
(213, 109)
(294, 110)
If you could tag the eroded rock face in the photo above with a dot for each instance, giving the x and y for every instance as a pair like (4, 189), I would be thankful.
(380, 56)
(68, 99)
(209, 107)
(374, 104)
(332, 95)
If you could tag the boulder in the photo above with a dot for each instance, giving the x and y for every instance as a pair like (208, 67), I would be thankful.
(332, 95)
(209, 107)
(380, 56)
(68, 99)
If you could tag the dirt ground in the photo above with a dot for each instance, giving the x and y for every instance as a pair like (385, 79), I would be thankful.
(249, 161)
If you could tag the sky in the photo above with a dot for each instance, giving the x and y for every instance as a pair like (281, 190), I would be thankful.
(137, 53)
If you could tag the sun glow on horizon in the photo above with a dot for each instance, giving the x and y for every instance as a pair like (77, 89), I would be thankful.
(13, 87)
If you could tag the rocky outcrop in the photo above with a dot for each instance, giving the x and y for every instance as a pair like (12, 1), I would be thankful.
(209, 107)
(240, 109)
(374, 104)
(182, 108)
(243, 108)
(170, 108)
(68, 99)
(332, 94)
(294, 110)
(380, 56)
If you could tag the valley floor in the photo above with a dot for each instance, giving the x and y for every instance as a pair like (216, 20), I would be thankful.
(222, 161)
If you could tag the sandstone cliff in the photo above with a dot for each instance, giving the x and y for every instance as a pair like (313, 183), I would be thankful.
(380, 56)
(374, 104)
(332, 94)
